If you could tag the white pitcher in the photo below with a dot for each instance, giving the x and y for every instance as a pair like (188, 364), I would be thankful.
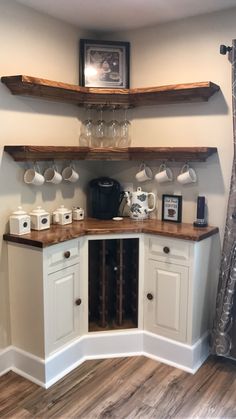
(138, 203)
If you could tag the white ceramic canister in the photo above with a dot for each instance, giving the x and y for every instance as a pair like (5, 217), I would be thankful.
(62, 216)
(77, 213)
(19, 222)
(40, 219)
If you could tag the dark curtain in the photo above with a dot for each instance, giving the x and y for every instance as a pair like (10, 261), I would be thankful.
(224, 328)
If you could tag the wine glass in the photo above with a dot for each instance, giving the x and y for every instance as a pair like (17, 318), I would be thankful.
(100, 131)
(125, 137)
(86, 130)
(113, 129)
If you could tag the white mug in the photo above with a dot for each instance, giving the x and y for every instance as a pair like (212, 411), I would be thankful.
(52, 175)
(187, 175)
(33, 177)
(164, 175)
(145, 173)
(69, 174)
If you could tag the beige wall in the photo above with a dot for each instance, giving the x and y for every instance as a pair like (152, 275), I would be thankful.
(34, 44)
(178, 52)
(185, 51)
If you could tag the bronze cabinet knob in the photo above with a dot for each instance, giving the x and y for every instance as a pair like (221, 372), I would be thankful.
(149, 296)
(67, 254)
(78, 302)
(166, 249)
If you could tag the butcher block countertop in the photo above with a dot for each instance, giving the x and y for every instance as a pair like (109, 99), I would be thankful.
(57, 233)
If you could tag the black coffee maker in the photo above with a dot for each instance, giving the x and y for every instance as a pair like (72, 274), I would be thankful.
(104, 198)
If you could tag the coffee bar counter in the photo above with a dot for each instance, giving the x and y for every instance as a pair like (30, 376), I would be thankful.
(58, 233)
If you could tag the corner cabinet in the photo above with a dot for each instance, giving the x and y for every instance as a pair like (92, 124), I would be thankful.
(141, 293)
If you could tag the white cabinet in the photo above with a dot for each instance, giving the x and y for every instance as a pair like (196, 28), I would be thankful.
(167, 300)
(46, 296)
(176, 288)
(63, 290)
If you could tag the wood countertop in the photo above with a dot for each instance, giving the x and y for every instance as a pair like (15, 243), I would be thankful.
(57, 233)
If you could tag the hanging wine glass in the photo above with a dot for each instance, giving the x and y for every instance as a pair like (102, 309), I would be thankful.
(113, 128)
(100, 131)
(86, 129)
(125, 136)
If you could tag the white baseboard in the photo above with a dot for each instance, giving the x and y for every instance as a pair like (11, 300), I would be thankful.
(186, 357)
(6, 360)
(29, 366)
(104, 345)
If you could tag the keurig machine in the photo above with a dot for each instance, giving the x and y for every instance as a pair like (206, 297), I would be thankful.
(104, 198)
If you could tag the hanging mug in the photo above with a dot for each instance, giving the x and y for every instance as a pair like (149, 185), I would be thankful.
(144, 173)
(52, 175)
(70, 175)
(33, 177)
(164, 175)
(187, 175)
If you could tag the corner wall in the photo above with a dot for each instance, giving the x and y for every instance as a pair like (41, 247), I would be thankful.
(181, 52)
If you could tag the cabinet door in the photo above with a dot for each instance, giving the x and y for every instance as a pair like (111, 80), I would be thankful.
(63, 311)
(165, 306)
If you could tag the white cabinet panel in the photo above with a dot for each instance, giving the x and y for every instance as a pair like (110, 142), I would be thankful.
(166, 300)
(62, 255)
(169, 250)
(64, 318)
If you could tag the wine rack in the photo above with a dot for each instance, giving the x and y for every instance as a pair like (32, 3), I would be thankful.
(113, 284)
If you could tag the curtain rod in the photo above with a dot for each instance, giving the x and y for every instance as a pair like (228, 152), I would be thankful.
(224, 49)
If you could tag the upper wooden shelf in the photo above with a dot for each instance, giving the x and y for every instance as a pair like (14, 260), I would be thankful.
(82, 96)
(37, 153)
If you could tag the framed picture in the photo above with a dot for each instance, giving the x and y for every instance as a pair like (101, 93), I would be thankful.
(104, 64)
(172, 208)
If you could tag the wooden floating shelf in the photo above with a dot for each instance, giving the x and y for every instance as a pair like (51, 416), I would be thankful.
(43, 153)
(82, 96)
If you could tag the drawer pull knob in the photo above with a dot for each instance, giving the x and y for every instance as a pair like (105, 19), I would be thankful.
(166, 249)
(78, 301)
(67, 254)
(149, 296)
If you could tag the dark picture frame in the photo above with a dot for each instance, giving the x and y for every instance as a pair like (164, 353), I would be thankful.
(104, 63)
(172, 208)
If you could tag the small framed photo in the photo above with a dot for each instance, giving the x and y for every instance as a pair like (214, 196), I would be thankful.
(172, 208)
(104, 63)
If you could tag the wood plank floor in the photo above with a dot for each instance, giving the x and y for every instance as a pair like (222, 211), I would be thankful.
(135, 387)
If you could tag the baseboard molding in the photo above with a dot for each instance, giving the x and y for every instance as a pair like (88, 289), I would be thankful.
(104, 345)
(186, 357)
(92, 346)
(6, 360)
(29, 366)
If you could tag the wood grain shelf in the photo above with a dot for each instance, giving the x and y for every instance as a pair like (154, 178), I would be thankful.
(82, 96)
(37, 153)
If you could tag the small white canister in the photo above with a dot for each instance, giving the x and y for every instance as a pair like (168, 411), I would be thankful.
(62, 216)
(77, 213)
(19, 222)
(40, 219)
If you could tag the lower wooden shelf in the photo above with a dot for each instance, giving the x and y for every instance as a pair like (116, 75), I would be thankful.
(37, 153)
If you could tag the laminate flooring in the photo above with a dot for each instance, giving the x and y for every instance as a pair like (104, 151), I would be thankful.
(135, 387)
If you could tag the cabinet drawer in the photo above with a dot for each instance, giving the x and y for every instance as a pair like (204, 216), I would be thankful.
(62, 255)
(165, 249)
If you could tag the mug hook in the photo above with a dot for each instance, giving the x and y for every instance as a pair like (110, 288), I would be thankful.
(142, 166)
(185, 167)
